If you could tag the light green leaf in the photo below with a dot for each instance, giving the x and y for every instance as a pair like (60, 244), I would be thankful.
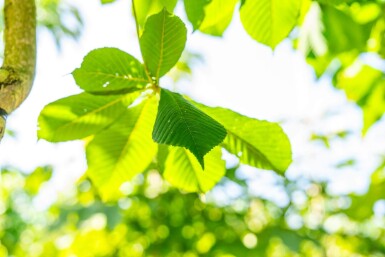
(184, 171)
(78, 116)
(270, 21)
(218, 15)
(257, 143)
(124, 150)
(195, 11)
(179, 123)
(146, 8)
(110, 70)
(162, 42)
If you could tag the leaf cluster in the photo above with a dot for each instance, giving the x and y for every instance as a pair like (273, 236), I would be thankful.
(126, 116)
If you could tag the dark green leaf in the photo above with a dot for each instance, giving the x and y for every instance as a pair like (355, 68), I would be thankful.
(179, 123)
(162, 42)
(109, 70)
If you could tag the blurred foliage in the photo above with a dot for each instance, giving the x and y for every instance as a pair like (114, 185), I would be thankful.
(60, 18)
(154, 219)
(344, 40)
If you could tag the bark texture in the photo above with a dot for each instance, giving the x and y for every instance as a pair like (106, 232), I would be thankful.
(18, 69)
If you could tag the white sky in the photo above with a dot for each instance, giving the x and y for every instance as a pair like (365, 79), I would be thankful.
(238, 73)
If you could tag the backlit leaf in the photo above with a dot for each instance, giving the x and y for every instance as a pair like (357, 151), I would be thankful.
(124, 150)
(146, 8)
(261, 144)
(162, 42)
(270, 21)
(79, 116)
(179, 123)
(183, 170)
(110, 70)
(218, 15)
(195, 11)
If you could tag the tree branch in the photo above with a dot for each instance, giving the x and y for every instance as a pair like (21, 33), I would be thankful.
(18, 70)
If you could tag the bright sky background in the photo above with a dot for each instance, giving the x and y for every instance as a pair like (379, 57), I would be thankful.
(238, 73)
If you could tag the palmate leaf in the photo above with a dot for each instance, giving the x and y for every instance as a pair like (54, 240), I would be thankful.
(183, 170)
(162, 43)
(218, 15)
(122, 151)
(109, 71)
(179, 123)
(78, 116)
(257, 143)
(270, 21)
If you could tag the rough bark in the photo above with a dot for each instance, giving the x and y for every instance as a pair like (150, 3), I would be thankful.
(18, 69)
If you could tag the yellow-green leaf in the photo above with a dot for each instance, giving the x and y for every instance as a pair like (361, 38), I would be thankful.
(110, 71)
(217, 16)
(184, 171)
(261, 144)
(162, 42)
(122, 151)
(78, 116)
(270, 21)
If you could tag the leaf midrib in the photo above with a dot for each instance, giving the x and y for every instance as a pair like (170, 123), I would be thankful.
(161, 46)
(113, 171)
(81, 117)
(184, 120)
(193, 169)
(252, 149)
(136, 79)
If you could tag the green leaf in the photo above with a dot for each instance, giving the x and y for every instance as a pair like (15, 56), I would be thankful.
(218, 15)
(361, 207)
(179, 123)
(78, 116)
(146, 8)
(184, 171)
(107, 1)
(364, 85)
(270, 21)
(110, 70)
(342, 33)
(257, 143)
(162, 42)
(124, 150)
(36, 179)
(195, 11)
(375, 107)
